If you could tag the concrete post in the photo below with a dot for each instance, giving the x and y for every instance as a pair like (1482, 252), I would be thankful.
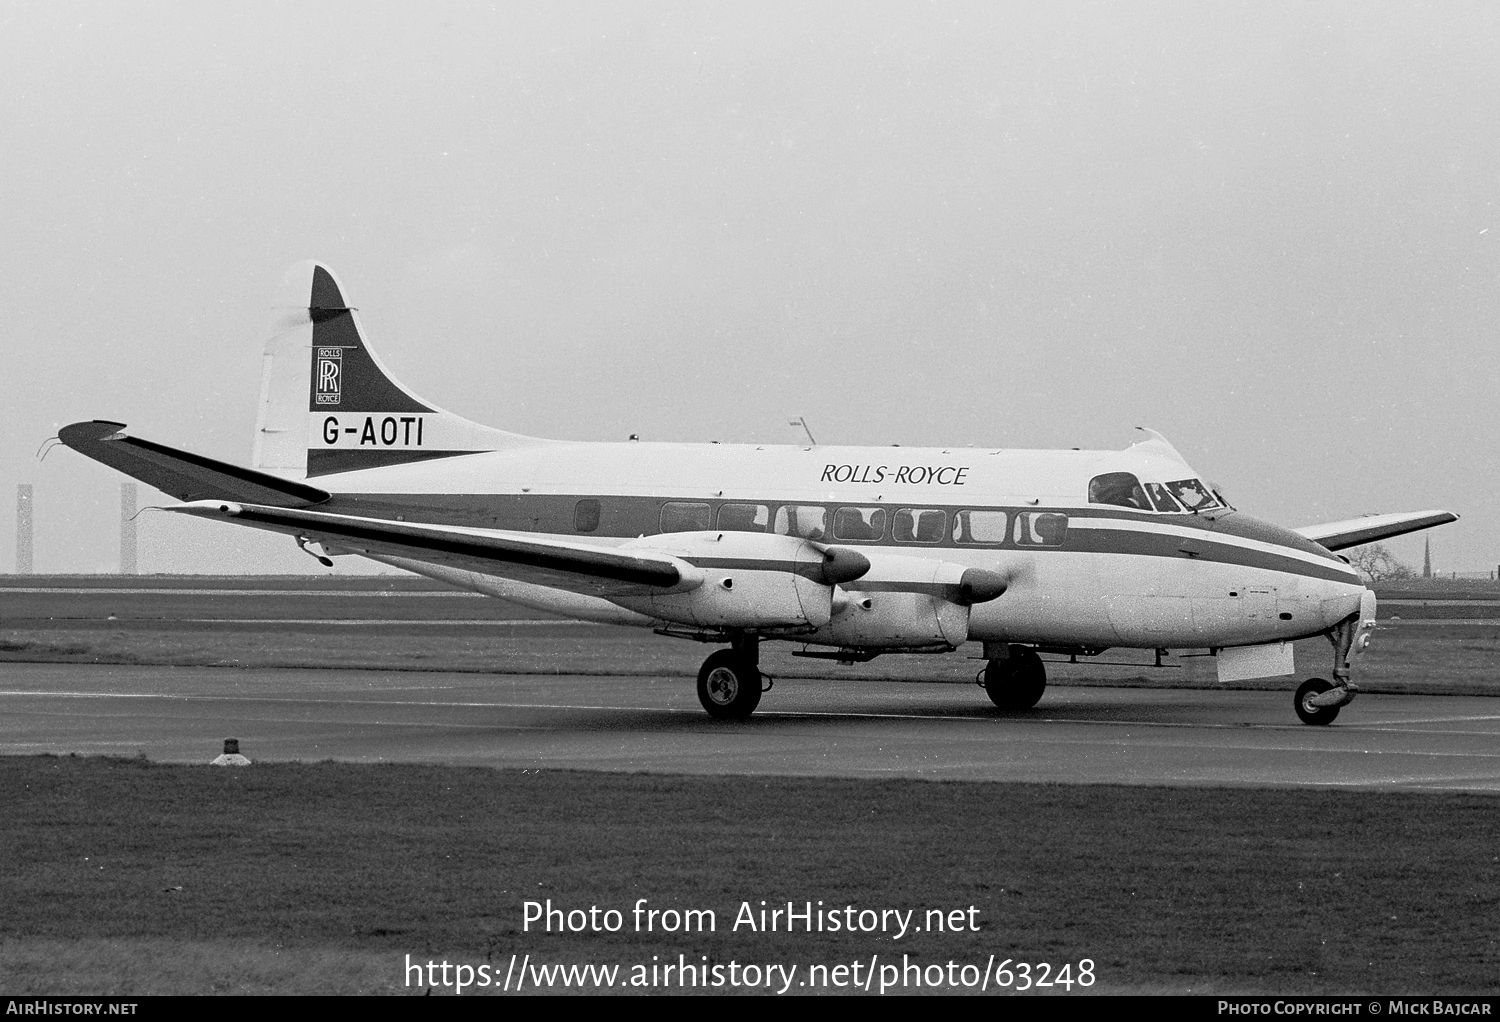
(23, 529)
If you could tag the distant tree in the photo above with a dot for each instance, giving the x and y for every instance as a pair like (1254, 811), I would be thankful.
(1377, 564)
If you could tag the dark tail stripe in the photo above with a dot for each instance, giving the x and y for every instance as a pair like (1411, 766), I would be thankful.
(322, 462)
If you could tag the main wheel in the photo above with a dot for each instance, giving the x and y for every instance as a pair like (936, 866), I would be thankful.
(1016, 683)
(1314, 714)
(728, 686)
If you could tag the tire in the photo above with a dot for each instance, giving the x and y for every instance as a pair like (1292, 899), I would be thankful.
(728, 686)
(1016, 683)
(1314, 715)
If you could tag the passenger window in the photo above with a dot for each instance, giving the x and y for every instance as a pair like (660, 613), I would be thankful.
(918, 525)
(1161, 498)
(1040, 528)
(744, 518)
(979, 527)
(859, 524)
(807, 521)
(677, 516)
(1192, 494)
(586, 515)
(1119, 488)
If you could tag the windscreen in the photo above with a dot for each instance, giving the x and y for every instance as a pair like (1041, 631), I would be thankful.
(1163, 500)
(1193, 494)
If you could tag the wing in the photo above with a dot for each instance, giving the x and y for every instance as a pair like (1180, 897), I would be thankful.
(183, 475)
(1372, 528)
(575, 567)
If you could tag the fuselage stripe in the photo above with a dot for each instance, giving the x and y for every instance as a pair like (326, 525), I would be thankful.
(1091, 528)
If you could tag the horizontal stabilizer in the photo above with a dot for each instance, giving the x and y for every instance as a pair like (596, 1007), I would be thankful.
(576, 567)
(1373, 528)
(180, 474)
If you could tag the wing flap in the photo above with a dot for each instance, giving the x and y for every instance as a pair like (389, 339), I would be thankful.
(576, 567)
(184, 475)
(1373, 528)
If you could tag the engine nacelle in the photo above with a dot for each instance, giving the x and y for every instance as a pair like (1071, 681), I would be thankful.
(908, 602)
(894, 620)
(748, 580)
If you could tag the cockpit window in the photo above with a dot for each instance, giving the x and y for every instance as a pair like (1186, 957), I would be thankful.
(1161, 498)
(1193, 495)
(1119, 488)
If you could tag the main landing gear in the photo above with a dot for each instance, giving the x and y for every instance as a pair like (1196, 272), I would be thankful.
(1317, 701)
(1015, 680)
(729, 683)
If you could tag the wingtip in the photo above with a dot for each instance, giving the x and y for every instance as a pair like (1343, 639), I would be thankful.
(86, 432)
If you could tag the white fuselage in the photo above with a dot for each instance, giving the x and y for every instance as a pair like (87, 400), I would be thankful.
(1080, 573)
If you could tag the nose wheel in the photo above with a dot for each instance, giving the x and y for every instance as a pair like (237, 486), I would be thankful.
(1317, 702)
(1307, 706)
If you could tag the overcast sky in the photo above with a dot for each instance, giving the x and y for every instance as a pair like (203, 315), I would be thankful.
(1267, 230)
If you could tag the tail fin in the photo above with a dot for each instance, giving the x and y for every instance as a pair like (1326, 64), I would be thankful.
(328, 405)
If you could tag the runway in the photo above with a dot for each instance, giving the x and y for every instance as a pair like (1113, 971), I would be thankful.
(870, 729)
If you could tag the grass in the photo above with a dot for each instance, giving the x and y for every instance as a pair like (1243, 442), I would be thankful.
(126, 877)
(120, 876)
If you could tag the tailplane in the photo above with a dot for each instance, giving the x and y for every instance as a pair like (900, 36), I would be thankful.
(328, 404)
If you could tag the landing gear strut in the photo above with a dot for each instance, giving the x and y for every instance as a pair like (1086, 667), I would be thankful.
(1014, 681)
(1317, 701)
(729, 681)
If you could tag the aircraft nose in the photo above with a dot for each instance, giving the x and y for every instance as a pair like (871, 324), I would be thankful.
(1237, 523)
(1340, 601)
(1366, 630)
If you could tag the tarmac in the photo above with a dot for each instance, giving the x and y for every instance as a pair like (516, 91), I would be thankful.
(855, 728)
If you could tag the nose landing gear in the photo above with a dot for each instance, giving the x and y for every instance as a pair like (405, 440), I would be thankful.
(1317, 701)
